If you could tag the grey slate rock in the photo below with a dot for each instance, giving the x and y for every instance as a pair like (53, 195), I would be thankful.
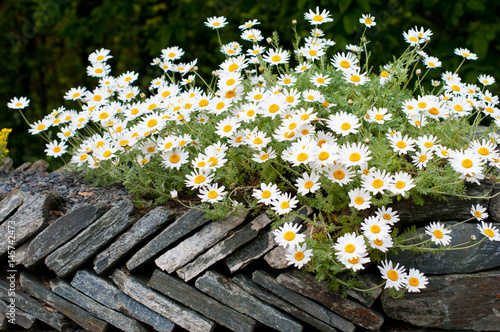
(24, 167)
(126, 242)
(251, 287)
(36, 288)
(21, 318)
(258, 247)
(39, 166)
(85, 245)
(175, 312)
(11, 202)
(7, 164)
(494, 206)
(188, 222)
(34, 308)
(368, 281)
(29, 219)
(307, 285)
(453, 209)
(191, 297)
(102, 312)
(4, 325)
(483, 256)
(191, 247)
(61, 231)
(267, 281)
(276, 258)
(227, 292)
(224, 248)
(451, 302)
(108, 294)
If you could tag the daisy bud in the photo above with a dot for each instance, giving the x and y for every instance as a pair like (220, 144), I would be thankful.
(363, 39)
(269, 40)
(294, 22)
(418, 72)
(428, 39)
(367, 140)
(261, 69)
(350, 102)
(280, 88)
(473, 237)
(173, 193)
(215, 73)
(143, 95)
(478, 89)
(163, 76)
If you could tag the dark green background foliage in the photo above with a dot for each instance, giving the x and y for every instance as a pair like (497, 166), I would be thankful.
(45, 43)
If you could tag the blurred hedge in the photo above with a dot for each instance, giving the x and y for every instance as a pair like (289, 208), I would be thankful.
(46, 43)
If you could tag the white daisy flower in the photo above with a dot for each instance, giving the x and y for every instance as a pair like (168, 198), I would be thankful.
(288, 236)
(416, 281)
(439, 235)
(298, 255)
(395, 276)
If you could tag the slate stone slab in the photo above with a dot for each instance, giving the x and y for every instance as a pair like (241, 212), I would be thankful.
(224, 248)
(126, 242)
(102, 312)
(175, 312)
(276, 258)
(11, 202)
(494, 206)
(61, 231)
(191, 247)
(191, 297)
(85, 245)
(367, 281)
(36, 288)
(267, 281)
(227, 292)
(39, 166)
(21, 318)
(4, 325)
(188, 222)
(34, 308)
(28, 220)
(108, 294)
(307, 285)
(7, 164)
(453, 209)
(24, 167)
(251, 287)
(451, 302)
(485, 255)
(258, 247)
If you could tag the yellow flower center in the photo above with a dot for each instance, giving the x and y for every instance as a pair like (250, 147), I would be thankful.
(151, 149)
(400, 184)
(320, 80)
(56, 149)
(354, 260)
(318, 18)
(359, 200)
(106, 154)
(377, 183)
(151, 107)
(276, 58)
(458, 108)
(266, 194)
(299, 256)
(378, 242)
(354, 157)
(467, 163)
(375, 229)
(455, 88)
(413, 282)
(489, 232)
(264, 156)
(345, 126)
(368, 21)
(344, 64)
(323, 155)
(175, 158)
(477, 214)
(287, 81)
(257, 141)
(83, 157)
(308, 184)
(227, 128)
(212, 194)
(379, 117)
(289, 236)
(393, 275)
(349, 248)
(401, 145)
(434, 111)
(355, 78)
(422, 158)
(219, 105)
(483, 151)
(302, 156)
(338, 174)
(99, 70)
(285, 205)
(97, 98)
(40, 127)
(151, 123)
(437, 233)
(385, 73)
(213, 161)
(75, 95)
(273, 108)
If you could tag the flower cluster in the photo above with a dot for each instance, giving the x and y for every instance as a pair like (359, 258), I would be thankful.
(276, 128)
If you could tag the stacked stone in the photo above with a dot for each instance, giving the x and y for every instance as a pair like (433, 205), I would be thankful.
(96, 271)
